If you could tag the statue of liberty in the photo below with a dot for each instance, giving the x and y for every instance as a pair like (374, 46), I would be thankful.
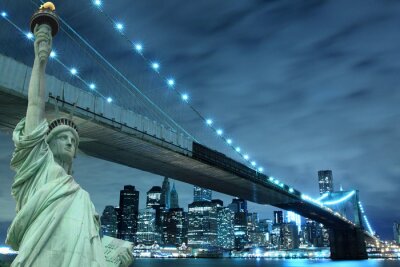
(56, 223)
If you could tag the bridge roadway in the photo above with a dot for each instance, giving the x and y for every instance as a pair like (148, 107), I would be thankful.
(129, 139)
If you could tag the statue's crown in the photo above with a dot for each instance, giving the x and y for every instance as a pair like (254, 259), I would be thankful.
(62, 121)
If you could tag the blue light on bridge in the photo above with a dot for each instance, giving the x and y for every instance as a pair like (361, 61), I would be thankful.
(246, 157)
(3, 14)
(185, 97)
(119, 26)
(291, 190)
(92, 86)
(171, 82)
(97, 3)
(237, 149)
(29, 35)
(209, 121)
(219, 132)
(253, 163)
(53, 54)
(229, 141)
(73, 71)
(337, 201)
(271, 179)
(260, 169)
(138, 47)
(155, 66)
(109, 100)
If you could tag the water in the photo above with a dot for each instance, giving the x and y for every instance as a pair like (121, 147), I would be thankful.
(260, 262)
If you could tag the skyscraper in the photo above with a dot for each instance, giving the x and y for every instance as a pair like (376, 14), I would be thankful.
(153, 197)
(293, 217)
(175, 227)
(128, 209)
(154, 202)
(165, 193)
(202, 227)
(108, 220)
(396, 232)
(289, 235)
(174, 200)
(147, 232)
(225, 228)
(278, 217)
(325, 181)
(239, 207)
(201, 194)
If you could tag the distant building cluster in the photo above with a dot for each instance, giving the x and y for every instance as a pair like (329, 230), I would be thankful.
(207, 223)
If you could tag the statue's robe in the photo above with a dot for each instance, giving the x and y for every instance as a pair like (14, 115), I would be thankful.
(56, 223)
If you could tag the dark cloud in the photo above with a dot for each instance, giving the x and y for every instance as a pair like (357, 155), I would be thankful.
(300, 85)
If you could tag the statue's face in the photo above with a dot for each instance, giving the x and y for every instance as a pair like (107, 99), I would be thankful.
(43, 41)
(63, 146)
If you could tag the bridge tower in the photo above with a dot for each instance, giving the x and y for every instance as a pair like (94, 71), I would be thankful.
(349, 244)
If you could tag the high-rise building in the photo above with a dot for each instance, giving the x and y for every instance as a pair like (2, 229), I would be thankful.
(175, 227)
(109, 222)
(325, 181)
(153, 197)
(165, 193)
(201, 194)
(278, 217)
(174, 200)
(396, 232)
(147, 232)
(128, 213)
(239, 207)
(289, 235)
(293, 217)
(154, 202)
(202, 224)
(225, 229)
(312, 234)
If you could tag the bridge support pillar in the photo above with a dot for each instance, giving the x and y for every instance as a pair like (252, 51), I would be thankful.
(347, 244)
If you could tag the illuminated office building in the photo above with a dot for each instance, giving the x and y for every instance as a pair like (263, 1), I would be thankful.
(109, 222)
(325, 181)
(127, 213)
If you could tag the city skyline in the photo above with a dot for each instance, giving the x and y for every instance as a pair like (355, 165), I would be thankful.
(304, 91)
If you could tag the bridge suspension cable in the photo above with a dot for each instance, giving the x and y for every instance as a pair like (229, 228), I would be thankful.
(364, 216)
(171, 83)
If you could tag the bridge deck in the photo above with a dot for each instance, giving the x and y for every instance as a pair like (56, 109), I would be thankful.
(105, 138)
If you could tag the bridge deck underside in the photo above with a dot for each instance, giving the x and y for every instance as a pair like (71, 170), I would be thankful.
(106, 140)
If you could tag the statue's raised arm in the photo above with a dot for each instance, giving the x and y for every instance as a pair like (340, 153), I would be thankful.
(36, 94)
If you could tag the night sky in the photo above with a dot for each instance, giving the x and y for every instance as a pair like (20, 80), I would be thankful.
(301, 86)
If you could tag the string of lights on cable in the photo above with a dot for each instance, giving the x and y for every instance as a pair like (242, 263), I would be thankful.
(171, 83)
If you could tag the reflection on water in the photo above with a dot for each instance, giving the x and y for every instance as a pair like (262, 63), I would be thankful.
(261, 262)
